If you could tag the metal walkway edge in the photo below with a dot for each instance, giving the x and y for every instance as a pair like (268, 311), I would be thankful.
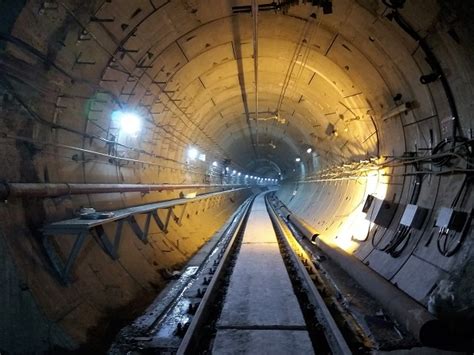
(81, 228)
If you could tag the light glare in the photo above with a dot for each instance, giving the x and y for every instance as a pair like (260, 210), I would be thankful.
(130, 123)
(193, 153)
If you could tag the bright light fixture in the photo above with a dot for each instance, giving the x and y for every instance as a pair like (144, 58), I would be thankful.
(233, 172)
(298, 160)
(193, 153)
(238, 174)
(309, 150)
(202, 157)
(130, 123)
(246, 176)
(214, 163)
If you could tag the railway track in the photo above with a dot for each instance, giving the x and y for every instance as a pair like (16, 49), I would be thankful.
(254, 293)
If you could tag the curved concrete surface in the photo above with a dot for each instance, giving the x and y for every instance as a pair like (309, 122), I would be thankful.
(340, 92)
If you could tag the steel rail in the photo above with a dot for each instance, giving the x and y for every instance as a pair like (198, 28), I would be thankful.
(333, 334)
(190, 338)
(405, 310)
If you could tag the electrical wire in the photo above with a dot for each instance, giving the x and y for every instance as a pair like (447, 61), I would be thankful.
(449, 241)
(48, 63)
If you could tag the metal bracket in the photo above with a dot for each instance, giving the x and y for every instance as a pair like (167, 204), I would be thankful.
(104, 241)
(179, 220)
(61, 267)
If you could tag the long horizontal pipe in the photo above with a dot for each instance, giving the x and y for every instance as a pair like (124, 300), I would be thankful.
(416, 319)
(10, 190)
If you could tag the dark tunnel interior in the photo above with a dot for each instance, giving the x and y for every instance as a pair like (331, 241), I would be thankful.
(356, 116)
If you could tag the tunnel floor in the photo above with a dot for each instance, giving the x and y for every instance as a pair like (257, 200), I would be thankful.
(245, 299)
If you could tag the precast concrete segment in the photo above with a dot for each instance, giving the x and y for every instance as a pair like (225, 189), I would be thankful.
(260, 309)
(258, 342)
(259, 228)
(260, 293)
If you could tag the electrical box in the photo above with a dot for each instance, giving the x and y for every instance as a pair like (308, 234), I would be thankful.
(385, 214)
(451, 219)
(414, 216)
(368, 203)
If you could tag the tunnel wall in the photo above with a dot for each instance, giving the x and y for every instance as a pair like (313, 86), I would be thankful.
(420, 268)
(40, 314)
(76, 84)
(334, 208)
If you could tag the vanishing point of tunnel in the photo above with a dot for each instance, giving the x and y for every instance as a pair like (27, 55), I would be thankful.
(236, 176)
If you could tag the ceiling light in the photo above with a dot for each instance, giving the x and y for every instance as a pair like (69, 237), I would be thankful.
(238, 174)
(193, 153)
(214, 163)
(298, 160)
(309, 150)
(246, 176)
(130, 123)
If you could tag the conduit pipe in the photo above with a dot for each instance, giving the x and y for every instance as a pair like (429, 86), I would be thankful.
(9, 190)
(417, 320)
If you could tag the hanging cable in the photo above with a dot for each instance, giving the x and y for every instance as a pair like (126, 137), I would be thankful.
(449, 241)
(432, 60)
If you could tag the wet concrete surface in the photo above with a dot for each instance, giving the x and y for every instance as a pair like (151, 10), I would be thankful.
(260, 309)
(275, 342)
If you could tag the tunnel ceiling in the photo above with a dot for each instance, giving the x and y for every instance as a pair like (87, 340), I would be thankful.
(324, 80)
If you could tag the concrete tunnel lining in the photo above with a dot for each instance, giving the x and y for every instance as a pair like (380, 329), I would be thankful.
(187, 68)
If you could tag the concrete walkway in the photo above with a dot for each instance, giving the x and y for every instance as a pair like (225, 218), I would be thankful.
(261, 314)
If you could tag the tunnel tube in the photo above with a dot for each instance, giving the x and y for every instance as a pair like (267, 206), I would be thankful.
(360, 98)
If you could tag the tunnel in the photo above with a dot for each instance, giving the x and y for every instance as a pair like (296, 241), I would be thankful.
(154, 122)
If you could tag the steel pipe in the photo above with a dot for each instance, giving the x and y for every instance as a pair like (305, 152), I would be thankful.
(428, 329)
(10, 190)
(308, 231)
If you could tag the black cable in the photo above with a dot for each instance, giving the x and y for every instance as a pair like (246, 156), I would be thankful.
(375, 245)
(447, 237)
(394, 4)
(440, 148)
(432, 61)
(49, 63)
(400, 239)
(462, 189)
